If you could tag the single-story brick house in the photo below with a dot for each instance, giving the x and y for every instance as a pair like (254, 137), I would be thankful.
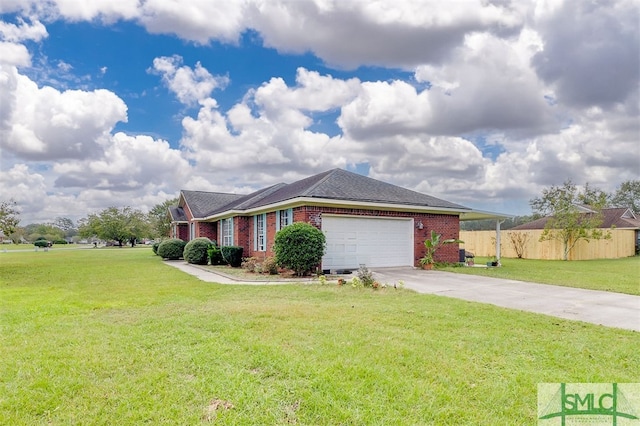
(365, 221)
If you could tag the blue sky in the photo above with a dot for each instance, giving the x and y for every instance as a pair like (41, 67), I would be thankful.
(479, 103)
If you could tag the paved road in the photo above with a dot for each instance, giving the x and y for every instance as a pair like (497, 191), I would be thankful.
(596, 307)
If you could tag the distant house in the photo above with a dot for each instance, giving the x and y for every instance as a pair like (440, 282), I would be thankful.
(365, 221)
(615, 217)
(623, 225)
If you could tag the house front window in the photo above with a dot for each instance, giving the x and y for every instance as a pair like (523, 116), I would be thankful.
(260, 226)
(227, 231)
(192, 231)
(284, 218)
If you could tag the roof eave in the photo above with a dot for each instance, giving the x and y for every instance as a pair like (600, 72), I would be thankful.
(464, 213)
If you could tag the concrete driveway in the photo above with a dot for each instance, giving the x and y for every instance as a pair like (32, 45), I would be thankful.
(597, 307)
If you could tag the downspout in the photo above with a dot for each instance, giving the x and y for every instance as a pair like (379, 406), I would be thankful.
(498, 223)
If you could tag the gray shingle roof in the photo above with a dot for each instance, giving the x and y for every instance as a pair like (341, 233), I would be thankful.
(338, 184)
(203, 203)
(177, 214)
(249, 200)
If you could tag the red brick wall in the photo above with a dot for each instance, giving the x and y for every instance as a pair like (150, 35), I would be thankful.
(242, 233)
(207, 229)
(271, 235)
(183, 232)
(447, 225)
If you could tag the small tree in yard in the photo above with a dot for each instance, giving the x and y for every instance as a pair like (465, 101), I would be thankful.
(568, 223)
(519, 242)
(116, 224)
(8, 217)
(299, 246)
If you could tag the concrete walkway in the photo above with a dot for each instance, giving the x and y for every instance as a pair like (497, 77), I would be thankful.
(596, 307)
(214, 277)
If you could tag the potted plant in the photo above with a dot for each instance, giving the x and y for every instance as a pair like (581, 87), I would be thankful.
(431, 246)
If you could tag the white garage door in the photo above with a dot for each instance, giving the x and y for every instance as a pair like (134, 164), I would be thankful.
(375, 242)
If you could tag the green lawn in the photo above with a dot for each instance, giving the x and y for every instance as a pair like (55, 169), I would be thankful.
(617, 275)
(23, 247)
(118, 337)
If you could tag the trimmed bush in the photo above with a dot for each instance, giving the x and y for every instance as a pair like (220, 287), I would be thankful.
(171, 249)
(41, 242)
(196, 251)
(215, 254)
(60, 242)
(232, 255)
(155, 246)
(299, 246)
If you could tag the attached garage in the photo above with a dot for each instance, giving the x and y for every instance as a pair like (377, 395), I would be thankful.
(372, 241)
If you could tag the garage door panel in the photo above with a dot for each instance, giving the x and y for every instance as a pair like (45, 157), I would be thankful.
(375, 242)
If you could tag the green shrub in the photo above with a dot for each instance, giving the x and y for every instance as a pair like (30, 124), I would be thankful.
(196, 251)
(41, 242)
(171, 249)
(232, 255)
(155, 246)
(215, 254)
(60, 242)
(299, 246)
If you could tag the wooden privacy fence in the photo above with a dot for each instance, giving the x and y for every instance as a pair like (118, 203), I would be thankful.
(483, 243)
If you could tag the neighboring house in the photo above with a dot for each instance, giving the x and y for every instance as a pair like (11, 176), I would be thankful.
(365, 221)
(614, 217)
(623, 230)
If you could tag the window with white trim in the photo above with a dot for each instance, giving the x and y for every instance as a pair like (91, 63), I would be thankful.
(260, 232)
(284, 218)
(227, 231)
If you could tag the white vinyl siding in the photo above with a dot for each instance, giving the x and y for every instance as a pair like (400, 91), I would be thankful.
(283, 218)
(260, 232)
(227, 231)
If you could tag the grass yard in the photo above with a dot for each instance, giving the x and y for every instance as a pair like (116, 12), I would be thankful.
(617, 275)
(118, 337)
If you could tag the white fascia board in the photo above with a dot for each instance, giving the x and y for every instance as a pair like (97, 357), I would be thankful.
(348, 204)
(224, 215)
